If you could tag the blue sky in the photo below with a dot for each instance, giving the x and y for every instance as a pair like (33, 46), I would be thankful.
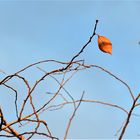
(31, 31)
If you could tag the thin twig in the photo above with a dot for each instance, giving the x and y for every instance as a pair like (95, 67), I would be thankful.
(71, 118)
(128, 117)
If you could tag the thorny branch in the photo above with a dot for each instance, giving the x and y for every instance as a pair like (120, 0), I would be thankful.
(33, 118)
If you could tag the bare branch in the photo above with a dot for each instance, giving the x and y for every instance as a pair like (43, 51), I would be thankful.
(71, 118)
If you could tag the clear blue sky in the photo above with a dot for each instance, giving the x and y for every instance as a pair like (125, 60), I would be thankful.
(31, 31)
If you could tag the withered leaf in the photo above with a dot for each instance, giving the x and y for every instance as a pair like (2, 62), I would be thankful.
(104, 44)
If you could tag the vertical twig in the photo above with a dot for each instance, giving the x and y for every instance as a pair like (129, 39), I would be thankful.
(71, 118)
(128, 118)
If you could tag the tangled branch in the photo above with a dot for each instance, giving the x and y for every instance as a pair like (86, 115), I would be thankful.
(33, 117)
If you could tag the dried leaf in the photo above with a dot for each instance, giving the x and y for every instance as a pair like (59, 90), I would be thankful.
(104, 44)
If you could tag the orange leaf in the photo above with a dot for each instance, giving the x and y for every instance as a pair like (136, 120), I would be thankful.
(104, 44)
